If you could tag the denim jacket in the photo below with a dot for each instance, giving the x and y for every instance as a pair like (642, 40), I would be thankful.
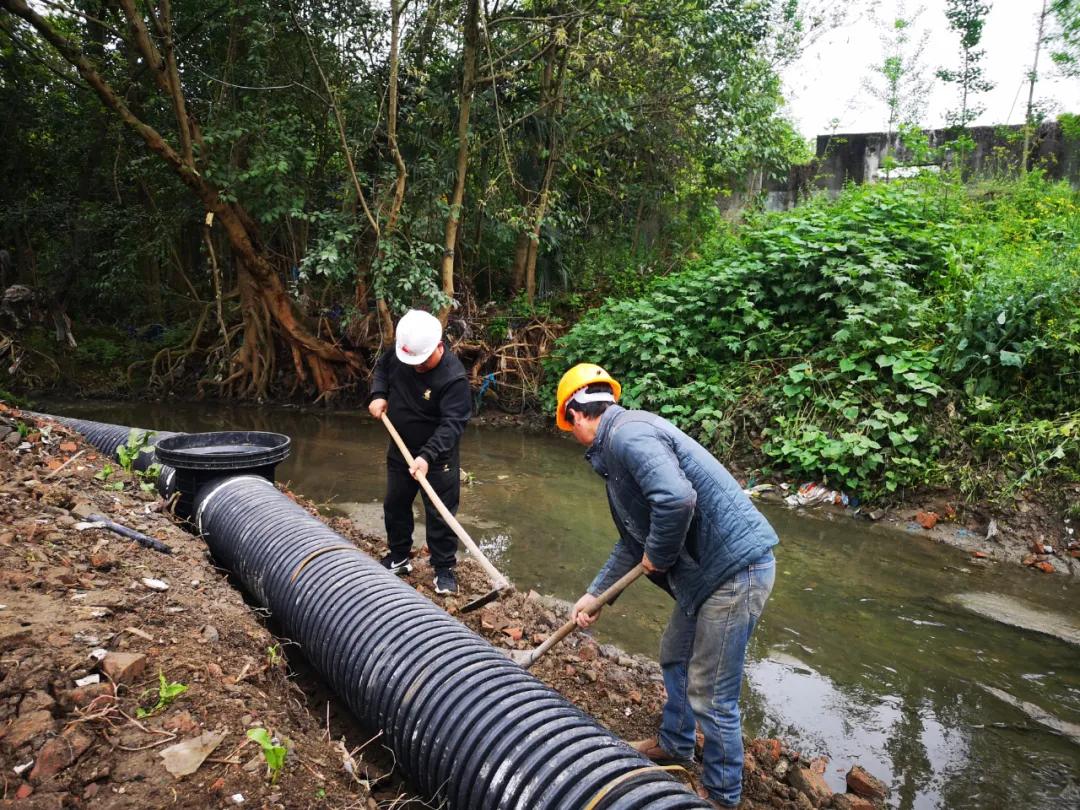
(669, 497)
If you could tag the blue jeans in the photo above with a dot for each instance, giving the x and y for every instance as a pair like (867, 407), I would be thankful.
(702, 658)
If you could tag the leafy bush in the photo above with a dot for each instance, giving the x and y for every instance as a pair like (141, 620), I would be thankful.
(854, 340)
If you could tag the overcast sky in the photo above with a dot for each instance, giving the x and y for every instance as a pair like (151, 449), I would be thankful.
(828, 80)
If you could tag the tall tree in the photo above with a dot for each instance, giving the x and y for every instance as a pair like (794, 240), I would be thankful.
(147, 41)
(1033, 76)
(1066, 40)
(967, 18)
(899, 80)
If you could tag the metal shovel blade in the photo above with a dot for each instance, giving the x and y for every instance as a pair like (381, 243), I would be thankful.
(523, 658)
(487, 598)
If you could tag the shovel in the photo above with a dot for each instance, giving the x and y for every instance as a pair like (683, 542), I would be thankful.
(528, 657)
(499, 584)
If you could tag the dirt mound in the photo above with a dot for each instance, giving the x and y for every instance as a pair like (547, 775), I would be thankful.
(74, 594)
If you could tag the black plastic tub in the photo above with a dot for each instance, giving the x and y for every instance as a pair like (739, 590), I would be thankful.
(201, 458)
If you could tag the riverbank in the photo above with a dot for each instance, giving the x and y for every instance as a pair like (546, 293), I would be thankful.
(75, 593)
(1039, 529)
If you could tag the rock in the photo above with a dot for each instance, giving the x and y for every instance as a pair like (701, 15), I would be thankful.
(82, 510)
(123, 667)
(766, 752)
(635, 696)
(155, 584)
(877, 514)
(515, 633)
(1045, 567)
(810, 781)
(849, 801)
(59, 753)
(927, 520)
(68, 447)
(91, 790)
(209, 633)
(24, 790)
(569, 670)
(182, 722)
(27, 727)
(36, 700)
(214, 670)
(85, 695)
(862, 783)
(101, 561)
(588, 652)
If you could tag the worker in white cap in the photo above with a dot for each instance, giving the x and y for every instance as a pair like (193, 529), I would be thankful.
(424, 390)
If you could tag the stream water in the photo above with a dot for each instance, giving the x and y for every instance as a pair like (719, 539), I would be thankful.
(869, 649)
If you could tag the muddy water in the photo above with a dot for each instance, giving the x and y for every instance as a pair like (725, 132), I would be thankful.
(876, 646)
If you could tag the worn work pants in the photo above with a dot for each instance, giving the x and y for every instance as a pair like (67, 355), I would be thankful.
(702, 658)
(401, 491)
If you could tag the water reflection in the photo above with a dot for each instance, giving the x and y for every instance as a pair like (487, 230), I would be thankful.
(864, 653)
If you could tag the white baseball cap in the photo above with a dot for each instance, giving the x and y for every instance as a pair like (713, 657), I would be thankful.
(417, 335)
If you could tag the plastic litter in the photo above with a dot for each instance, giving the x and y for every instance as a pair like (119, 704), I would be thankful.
(814, 493)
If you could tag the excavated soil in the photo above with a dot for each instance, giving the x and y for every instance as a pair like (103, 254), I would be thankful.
(78, 601)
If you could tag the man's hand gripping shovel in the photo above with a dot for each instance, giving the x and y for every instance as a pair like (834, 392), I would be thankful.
(499, 584)
(529, 657)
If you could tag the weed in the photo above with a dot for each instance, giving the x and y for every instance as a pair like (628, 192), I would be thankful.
(274, 655)
(167, 692)
(273, 753)
(878, 341)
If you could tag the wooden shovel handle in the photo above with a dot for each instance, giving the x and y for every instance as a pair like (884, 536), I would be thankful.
(498, 581)
(602, 600)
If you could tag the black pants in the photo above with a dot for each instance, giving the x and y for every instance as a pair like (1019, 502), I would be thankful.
(397, 509)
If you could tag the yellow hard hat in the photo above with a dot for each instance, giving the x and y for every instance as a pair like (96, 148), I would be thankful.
(574, 380)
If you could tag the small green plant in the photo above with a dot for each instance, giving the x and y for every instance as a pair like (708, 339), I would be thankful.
(167, 692)
(23, 428)
(273, 753)
(106, 472)
(138, 442)
(274, 656)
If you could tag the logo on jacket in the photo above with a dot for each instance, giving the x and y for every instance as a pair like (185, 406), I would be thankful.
(427, 394)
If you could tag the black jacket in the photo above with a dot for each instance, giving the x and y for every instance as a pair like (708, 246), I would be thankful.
(429, 410)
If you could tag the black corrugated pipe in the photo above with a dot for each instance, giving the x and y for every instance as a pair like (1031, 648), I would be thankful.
(107, 438)
(466, 724)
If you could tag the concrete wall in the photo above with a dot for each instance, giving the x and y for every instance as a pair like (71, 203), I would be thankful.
(857, 158)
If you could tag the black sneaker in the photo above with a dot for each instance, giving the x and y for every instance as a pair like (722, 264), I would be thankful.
(400, 566)
(445, 581)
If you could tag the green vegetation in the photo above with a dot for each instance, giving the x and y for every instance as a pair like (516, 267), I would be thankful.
(273, 753)
(358, 158)
(906, 334)
(167, 691)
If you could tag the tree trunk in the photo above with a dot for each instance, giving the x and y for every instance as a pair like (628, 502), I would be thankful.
(471, 37)
(1033, 77)
(258, 279)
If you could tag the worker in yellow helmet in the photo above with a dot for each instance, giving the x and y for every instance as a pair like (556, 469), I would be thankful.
(681, 515)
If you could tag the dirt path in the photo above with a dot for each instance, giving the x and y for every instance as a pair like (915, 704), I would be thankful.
(79, 602)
